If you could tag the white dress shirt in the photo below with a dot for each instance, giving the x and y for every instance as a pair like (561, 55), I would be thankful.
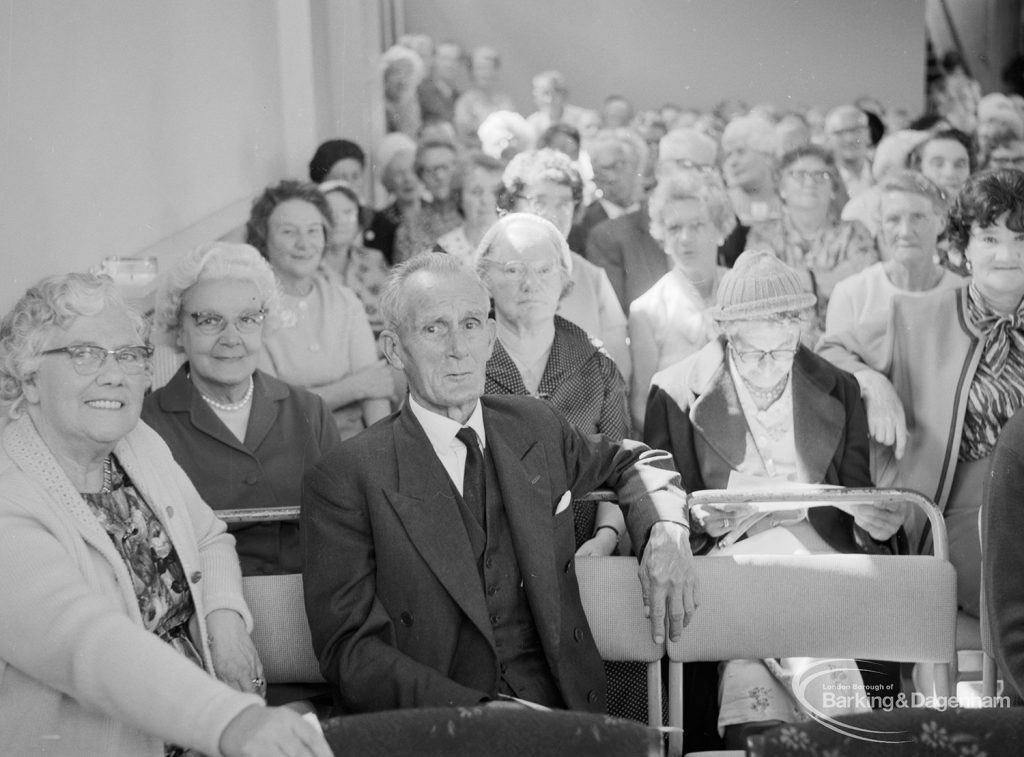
(441, 431)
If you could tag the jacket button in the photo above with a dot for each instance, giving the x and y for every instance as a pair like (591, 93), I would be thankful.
(196, 577)
(170, 512)
(577, 633)
(252, 480)
(406, 619)
(592, 696)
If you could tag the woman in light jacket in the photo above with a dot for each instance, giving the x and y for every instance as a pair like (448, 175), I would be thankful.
(121, 592)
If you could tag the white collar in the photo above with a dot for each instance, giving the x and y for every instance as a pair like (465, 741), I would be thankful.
(615, 211)
(441, 430)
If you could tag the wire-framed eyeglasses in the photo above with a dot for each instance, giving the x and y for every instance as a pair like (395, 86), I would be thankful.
(517, 269)
(87, 359)
(754, 357)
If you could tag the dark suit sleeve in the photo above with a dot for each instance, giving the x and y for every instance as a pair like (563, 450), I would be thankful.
(604, 250)
(1002, 538)
(353, 637)
(647, 487)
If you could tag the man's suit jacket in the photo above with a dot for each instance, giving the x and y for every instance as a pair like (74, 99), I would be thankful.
(592, 216)
(393, 592)
(631, 257)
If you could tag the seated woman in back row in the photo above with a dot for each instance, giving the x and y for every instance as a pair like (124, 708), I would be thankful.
(690, 216)
(953, 371)
(810, 237)
(243, 437)
(323, 341)
(755, 408)
(544, 183)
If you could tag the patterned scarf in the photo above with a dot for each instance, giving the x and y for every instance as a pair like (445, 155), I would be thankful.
(1000, 329)
(997, 388)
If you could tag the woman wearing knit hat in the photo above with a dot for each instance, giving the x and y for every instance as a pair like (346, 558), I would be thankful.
(756, 408)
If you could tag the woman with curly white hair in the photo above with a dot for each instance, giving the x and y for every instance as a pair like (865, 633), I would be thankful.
(243, 436)
(120, 588)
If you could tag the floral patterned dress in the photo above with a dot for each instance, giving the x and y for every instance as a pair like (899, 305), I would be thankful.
(158, 578)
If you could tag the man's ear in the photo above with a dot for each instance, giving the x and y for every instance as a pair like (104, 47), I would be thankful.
(492, 331)
(391, 346)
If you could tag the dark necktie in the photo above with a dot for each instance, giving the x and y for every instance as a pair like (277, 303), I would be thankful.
(473, 483)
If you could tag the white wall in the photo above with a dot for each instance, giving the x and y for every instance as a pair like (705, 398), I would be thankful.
(131, 127)
(143, 127)
(695, 52)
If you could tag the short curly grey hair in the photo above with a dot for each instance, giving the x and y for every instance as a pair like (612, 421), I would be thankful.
(212, 260)
(49, 306)
(689, 185)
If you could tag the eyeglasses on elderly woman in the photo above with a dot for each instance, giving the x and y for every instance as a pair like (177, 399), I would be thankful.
(755, 357)
(211, 323)
(517, 269)
(87, 359)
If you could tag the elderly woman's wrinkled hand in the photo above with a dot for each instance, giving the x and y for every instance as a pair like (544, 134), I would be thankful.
(235, 659)
(886, 421)
(668, 580)
(881, 520)
(718, 521)
(272, 732)
(601, 544)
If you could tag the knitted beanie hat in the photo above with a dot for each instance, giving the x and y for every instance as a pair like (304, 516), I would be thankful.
(760, 285)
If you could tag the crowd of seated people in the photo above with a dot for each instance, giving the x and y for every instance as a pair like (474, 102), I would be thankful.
(817, 296)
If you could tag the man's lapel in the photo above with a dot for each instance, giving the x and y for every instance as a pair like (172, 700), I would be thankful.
(425, 503)
(522, 470)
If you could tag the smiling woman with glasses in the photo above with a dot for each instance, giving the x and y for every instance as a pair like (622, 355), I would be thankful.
(756, 409)
(121, 590)
(243, 436)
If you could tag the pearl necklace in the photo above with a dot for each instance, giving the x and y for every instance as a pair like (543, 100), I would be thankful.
(233, 407)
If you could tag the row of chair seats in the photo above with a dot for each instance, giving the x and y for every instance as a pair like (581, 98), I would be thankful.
(749, 606)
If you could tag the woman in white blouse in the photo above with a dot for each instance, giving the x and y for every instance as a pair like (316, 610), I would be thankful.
(690, 215)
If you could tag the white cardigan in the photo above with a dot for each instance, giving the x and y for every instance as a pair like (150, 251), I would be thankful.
(79, 674)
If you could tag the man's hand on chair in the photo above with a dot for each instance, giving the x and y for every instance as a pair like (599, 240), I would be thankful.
(667, 579)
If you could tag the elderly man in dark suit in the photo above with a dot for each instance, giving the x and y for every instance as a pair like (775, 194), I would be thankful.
(438, 544)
